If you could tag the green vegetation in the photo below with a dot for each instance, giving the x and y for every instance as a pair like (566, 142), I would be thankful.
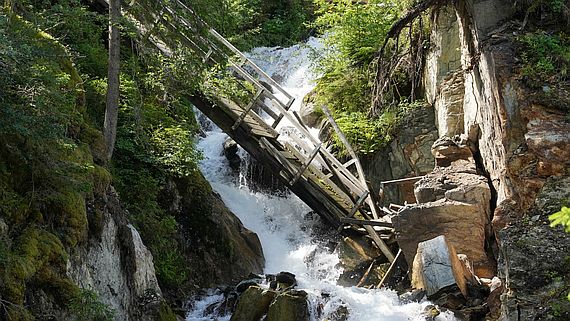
(355, 31)
(88, 307)
(561, 218)
(255, 23)
(46, 171)
(546, 57)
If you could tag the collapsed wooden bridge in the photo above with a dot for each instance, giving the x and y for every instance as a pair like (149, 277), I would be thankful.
(336, 190)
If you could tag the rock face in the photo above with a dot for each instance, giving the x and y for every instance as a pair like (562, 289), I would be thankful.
(408, 155)
(473, 78)
(117, 266)
(453, 201)
(309, 112)
(218, 248)
(534, 261)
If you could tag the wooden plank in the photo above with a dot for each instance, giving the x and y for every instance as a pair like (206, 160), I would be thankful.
(402, 180)
(247, 109)
(344, 140)
(321, 179)
(358, 203)
(381, 245)
(303, 145)
(355, 221)
(349, 163)
(306, 164)
(280, 118)
(397, 262)
(250, 63)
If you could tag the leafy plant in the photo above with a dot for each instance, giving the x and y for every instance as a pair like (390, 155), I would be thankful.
(546, 57)
(88, 307)
(561, 217)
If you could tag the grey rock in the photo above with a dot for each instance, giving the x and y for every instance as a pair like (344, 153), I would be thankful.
(289, 306)
(231, 153)
(309, 111)
(437, 267)
(253, 304)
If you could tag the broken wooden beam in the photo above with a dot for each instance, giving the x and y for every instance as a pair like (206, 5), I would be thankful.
(355, 221)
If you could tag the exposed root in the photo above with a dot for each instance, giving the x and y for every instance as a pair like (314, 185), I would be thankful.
(412, 54)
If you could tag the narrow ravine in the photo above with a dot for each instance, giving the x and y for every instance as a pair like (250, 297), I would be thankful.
(284, 224)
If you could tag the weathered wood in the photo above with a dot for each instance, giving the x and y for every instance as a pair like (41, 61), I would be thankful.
(402, 180)
(251, 64)
(306, 164)
(351, 152)
(358, 203)
(380, 243)
(398, 261)
(247, 109)
(355, 221)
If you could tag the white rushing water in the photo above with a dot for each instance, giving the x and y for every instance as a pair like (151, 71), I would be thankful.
(282, 223)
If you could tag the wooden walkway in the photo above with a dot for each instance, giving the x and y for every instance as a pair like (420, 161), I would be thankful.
(337, 191)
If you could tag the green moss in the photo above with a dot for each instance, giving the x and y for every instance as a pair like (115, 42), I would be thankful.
(101, 180)
(34, 251)
(165, 313)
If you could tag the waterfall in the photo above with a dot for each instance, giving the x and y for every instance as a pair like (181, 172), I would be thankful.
(284, 223)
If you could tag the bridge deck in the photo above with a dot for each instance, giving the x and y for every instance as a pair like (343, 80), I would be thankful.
(310, 170)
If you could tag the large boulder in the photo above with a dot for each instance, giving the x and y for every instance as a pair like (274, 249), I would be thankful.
(310, 113)
(289, 306)
(437, 267)
(253, 304)
(453, 201)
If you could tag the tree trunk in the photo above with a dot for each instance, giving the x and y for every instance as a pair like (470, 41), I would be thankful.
(112, 109)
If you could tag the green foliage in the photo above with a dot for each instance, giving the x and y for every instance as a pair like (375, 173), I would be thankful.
(254, 23)
(172, 151)
(355, 31)
(88, 307)
(561, 218)
(546, 57)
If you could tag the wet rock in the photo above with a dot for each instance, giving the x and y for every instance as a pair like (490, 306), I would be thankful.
(340, 314)
(245, 284)
(309, 112)
(430, 312)
(416, 295)
(253, 304)
(286, 278)
(289, 306)
(230, 151)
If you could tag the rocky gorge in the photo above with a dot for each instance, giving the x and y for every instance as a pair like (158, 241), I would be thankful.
(485, 160)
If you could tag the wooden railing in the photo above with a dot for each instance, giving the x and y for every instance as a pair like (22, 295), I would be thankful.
(304, 163)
